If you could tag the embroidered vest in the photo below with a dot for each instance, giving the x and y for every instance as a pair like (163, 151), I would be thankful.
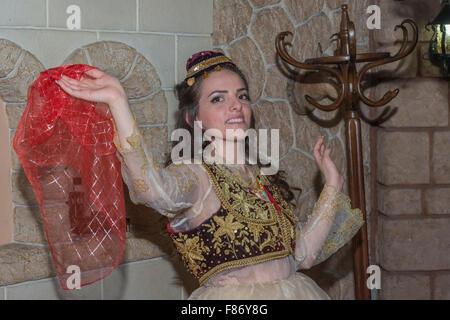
(246, 230)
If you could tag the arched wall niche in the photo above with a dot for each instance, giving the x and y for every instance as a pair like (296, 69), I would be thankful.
(22, 223)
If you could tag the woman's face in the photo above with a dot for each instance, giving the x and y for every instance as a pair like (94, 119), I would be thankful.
(224, 104)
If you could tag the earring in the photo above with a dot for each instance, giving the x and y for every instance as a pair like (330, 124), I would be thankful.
(190, 81)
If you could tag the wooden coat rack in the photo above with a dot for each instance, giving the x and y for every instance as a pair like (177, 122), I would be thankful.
(350, 94)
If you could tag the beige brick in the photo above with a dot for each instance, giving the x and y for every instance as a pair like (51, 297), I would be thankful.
(186, 47)
(263, 3)
(275, 115)
(266, 25)
(15, 88)
(247, 57)
(151, 110)
(302, 177)
(21, 263)
(157, 49)
(114, 58)
(421, 102)
(415, 244)
(142, 80)
(441, 157)
(437, 201)
(156, 138)
(14, 113)
(50, 47)
(23, 13)
(99, 14)
(405, 286)
(22, 191)
(403, 157)
(29, 225)
(307, 37)
(276, 84)
(231, 20)
(442, 287)
(9, 55)
(186, 16)
(399, 201)
(302, 11)
(79, 56)
(140, 249)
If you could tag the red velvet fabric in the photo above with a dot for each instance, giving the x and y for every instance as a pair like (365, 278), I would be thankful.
(66, 148)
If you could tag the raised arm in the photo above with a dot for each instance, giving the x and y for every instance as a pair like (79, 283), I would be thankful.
(332, 223)
(168, 190)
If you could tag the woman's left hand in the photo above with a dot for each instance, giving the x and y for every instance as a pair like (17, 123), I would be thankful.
(327, 166)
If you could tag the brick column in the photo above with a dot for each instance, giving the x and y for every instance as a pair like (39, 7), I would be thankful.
(413, 162)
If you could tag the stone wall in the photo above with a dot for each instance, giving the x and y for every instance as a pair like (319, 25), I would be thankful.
(412, 164)
(245, 30)
(144, 43)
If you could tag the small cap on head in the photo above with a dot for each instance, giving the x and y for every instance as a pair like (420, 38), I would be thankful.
(200, 63)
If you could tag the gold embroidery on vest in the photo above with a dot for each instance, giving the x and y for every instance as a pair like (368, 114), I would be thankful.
(246, 207)
(240, 234)
(192, 250)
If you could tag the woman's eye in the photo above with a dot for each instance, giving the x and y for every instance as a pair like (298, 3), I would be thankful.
(244, 96)
(216, 99)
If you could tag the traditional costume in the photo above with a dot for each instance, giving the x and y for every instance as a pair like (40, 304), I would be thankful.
(239, 239)
(239, 242)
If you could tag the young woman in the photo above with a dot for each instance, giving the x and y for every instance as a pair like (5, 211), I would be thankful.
(231, 224)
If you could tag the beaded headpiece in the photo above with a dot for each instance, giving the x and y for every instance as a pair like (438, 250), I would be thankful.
(200, 63)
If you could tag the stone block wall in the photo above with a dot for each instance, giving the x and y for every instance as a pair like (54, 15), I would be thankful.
(412, 164)
(144, 43)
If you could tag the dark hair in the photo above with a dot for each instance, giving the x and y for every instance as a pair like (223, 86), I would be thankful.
(188, 103)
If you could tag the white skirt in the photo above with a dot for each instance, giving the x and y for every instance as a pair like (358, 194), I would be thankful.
(296, 287)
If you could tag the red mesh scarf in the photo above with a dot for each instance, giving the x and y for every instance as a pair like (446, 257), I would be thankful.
(67, 152)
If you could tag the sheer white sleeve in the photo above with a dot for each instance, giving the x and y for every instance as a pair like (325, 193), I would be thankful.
(331, 225)
(169, 190)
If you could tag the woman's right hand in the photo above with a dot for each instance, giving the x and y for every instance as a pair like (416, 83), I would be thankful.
(96, 86)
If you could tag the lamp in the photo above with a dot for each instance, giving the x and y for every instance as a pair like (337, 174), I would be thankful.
(440, 42)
